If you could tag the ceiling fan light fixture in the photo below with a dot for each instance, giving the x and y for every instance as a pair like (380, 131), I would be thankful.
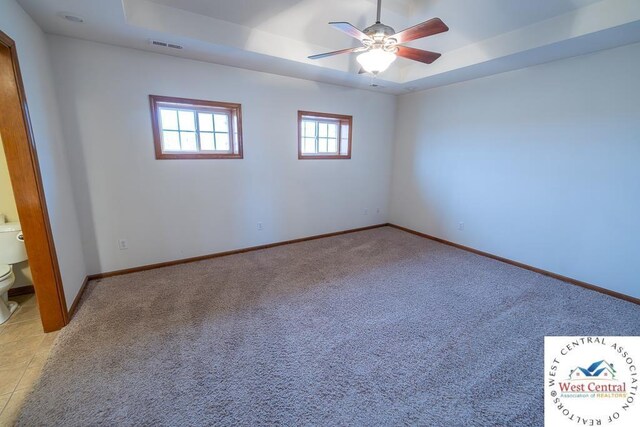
(376, 60)
(381, 44)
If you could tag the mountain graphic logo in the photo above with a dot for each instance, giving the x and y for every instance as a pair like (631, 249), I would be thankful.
(597, 370)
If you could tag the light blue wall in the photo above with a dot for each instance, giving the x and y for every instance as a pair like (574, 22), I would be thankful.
(207, 207)
(33, 54)
(542, 165)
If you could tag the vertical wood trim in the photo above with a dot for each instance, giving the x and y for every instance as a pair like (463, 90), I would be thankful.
(22, 160)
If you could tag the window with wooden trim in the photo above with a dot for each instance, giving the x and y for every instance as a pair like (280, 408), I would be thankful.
(196, 129)
(324, 136)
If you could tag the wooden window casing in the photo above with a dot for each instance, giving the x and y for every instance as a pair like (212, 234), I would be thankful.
(343, 135)
(197, 136)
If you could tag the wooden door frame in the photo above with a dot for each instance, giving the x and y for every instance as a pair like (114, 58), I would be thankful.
(22, 160)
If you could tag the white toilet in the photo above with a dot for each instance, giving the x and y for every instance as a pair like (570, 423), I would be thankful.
(12, 251)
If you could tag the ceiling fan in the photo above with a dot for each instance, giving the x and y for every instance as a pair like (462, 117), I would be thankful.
(381, 44)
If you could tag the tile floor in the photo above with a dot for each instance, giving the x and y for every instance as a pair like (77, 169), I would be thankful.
(24, 348)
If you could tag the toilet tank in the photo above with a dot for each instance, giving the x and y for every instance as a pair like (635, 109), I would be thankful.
(12, 249)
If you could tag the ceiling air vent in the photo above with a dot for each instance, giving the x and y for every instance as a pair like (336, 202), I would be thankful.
(164, 44)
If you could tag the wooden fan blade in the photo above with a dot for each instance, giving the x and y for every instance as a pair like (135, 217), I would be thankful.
(337, 52)
(349, 29)
(425, 29)
(417, 54)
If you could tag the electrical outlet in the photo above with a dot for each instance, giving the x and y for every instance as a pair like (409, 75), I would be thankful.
(260, 227)
(461, 226)
(123, 244)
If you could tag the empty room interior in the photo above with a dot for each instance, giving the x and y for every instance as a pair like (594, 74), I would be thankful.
(319, 212)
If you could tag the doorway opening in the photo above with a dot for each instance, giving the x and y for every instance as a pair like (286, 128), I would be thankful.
(24, 173)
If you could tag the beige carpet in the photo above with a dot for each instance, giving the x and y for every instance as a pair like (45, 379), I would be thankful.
(372, 328)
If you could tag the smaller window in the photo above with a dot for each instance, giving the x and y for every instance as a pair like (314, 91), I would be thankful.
(324, 136)
(194, 129)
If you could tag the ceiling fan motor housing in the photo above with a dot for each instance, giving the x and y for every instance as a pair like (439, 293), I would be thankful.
(381, 44)
(379, 32)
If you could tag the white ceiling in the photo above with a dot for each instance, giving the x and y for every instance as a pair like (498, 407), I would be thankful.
(304, 20)
(486, 36)
(474, 20)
